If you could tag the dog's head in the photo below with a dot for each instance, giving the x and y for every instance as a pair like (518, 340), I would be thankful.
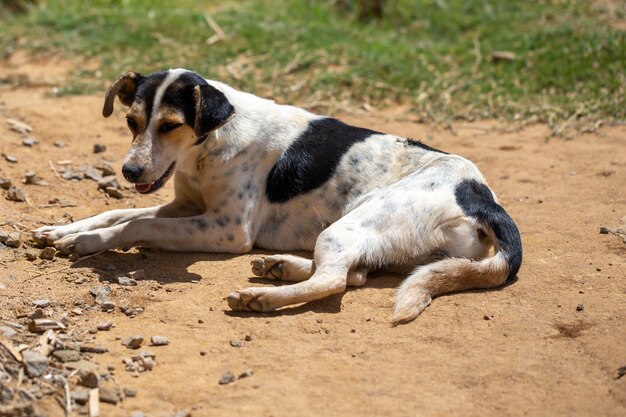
(168, 113)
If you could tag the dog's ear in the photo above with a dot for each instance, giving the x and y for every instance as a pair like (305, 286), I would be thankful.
(213, 110)
(124, 88)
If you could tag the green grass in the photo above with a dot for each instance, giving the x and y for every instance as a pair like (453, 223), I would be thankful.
(436, 55)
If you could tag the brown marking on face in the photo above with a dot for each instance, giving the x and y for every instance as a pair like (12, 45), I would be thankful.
(137, 113)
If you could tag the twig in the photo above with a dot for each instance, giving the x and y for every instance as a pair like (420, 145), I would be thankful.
(220, 35)
(53, 169)
(68, 266)
(68, 399)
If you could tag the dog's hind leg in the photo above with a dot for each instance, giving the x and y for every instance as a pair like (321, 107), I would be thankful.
(296, 269)
(336, 253)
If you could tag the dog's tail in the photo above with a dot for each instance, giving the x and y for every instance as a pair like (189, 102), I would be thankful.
(457, 274)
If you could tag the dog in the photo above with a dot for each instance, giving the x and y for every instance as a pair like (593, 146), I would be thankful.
(252, 173)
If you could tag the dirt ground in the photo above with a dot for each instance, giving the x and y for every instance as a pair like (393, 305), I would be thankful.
(521, 350)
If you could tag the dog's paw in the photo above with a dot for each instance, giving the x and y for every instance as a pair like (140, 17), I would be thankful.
(267, 267)
(47, 235)
(83, 243)
(246, 300)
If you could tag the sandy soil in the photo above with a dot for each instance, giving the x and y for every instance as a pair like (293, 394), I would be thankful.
(520, 350)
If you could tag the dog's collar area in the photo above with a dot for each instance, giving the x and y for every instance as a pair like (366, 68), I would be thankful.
(153, 186)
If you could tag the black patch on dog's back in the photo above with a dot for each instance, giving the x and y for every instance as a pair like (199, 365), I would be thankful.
(419, 144)
(477, 201)
(312, 158)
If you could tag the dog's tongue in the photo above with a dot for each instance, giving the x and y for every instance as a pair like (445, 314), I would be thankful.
(143, 188)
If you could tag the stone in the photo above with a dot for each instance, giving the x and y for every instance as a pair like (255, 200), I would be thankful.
(99, 148)
(29, 141)
(236, 343)
(137, 275)
(88, 378)
(92, 174)
(35, 363)
(108, 181)
(66, 355)
(101, 293)
(159, 341)
(114, 192)
(125, 281)
(130, 393)
(5, 183)
(245, 374)
(106, 168)
(80, 397)
(105, 326)
(59, 144)
(48, 253)
(133, 342)
(3, 236)
(93, 349)
(108, 305)
(13, 240)
(248, 338)
(37, 314)
(10, 158)
(31, 254)
(109, 395)
(19, 127)
(7, 331)
(15, 194)
(227, 378)
(41, 325)
(31, 178)
(580, 307)
(42, 303)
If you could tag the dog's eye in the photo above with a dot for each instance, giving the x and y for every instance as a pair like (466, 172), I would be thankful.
(168, 127)
(132, 124)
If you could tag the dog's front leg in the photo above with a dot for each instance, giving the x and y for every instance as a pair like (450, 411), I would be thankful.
(203, 233)
(49, 234)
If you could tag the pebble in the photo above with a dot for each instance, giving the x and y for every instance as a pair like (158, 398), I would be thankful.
(10, 158)
(66, 355)
(35, 363)
(31, 177)
(106, 168)
(29, 141)
(248, 338)
(108, 305)
(30, 254)
(580, 307)
(101, 293)
(42, 303)
(59, 144)
(93, 349)
(227, 378)
(202, 353)
(130, 393)
(80, 397)
(99, 148)
(125, 281)
(245, 374)
(3, 236)
(48, 253)
(159, 341)
(19, 127)
(114, 192)
(92, 174)
(236, 343)
(5, 183)
(15, 194)
(41, 325)
(133, 342)
(109, 395)
(88, 378)
(108, 181)
(7, 331)
(105, 326)
(37, 314)
(13, 240)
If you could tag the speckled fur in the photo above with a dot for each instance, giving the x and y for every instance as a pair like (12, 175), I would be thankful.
(387, 204)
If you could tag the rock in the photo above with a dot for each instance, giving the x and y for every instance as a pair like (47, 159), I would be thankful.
(3, 236)
(133, 342)
(236, 343)
(7, 331)
(99, 148)
(31, 178)
(6, 395)
(59, 144)
(108, 181)
(580, 307)
(29, 141)
(138, 274)
(92, 174)
(41, 325)
(245, 374)
(248, 338)
(30, 254)
(109, 395)
(80, 396)
(37, 314)
(114, 192)
(88, 378)
(43, 303)
(70, 174)
(101, 293)
(48, 253)
(105, 326)
(108, 305)
(10, 158)
(19, 127)
(5, 183)
(227, 378)
(203, 353)
(159, 341)
(106, 168)
(130, 393)
(125, 281)
(93, 349)
(15, 194)
(66, 355)
(35, 363)
(13, 240)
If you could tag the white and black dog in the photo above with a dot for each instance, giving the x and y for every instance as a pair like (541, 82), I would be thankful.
(251, 173)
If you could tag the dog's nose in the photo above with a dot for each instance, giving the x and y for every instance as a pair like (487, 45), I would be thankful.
(132, 172)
